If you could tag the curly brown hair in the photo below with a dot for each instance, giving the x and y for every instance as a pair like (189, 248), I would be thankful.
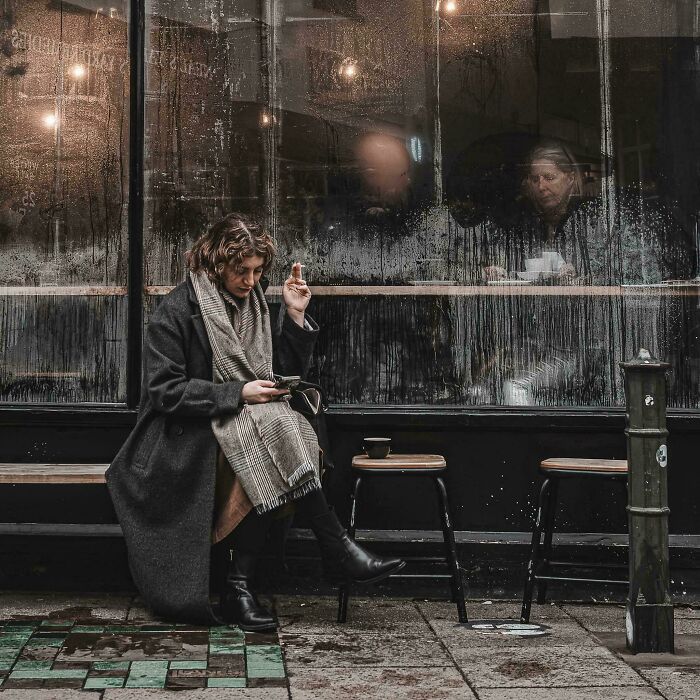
(228, 241)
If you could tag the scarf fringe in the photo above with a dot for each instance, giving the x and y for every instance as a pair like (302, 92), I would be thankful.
(313, 484)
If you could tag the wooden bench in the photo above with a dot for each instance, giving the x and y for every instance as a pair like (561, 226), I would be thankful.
(22, 474)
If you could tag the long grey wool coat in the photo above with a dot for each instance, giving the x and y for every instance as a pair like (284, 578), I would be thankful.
(162, 480)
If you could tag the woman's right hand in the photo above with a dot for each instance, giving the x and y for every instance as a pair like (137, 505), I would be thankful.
(261, 391)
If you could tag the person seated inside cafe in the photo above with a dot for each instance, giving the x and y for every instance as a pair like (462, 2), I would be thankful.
(562, 235)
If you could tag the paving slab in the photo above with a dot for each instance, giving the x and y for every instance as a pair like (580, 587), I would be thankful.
(598, 618)
(198, 694)
(140, 613)
(687, 651)
(375, 684)
(315, 651)
(63, 606)
(629, 693)
(317, 615)
(674, 683)
(548, 667)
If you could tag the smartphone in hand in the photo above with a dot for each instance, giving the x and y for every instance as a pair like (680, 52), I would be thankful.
(286, 382)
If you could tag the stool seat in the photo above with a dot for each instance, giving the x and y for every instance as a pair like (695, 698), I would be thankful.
(400, 462)
(584, 466)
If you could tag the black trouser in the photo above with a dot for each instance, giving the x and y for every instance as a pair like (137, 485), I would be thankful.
(250, 534)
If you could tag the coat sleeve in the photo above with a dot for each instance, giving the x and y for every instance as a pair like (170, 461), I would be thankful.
(169, 388)
(293, 345)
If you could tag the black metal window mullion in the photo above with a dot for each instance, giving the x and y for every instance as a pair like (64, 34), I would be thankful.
(137, 37)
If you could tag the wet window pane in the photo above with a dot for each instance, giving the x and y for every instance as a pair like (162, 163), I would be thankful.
(64, 77)
(496, 200)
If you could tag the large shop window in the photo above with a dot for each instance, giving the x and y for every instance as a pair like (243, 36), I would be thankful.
(64, 107)
(496, 200)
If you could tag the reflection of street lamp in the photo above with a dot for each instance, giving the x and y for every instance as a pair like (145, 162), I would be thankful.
(348, 69)
(265, 120)
(78, 71)
(50, 120)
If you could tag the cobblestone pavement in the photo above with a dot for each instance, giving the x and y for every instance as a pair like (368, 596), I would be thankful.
(61, 647)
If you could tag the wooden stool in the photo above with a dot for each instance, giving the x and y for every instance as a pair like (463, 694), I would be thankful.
(540, 563)
(432, 466)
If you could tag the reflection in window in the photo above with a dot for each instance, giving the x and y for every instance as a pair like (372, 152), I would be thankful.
(518, 177)
(480, 146)
(64, 76)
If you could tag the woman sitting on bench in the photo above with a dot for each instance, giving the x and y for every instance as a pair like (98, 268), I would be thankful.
(217, 447)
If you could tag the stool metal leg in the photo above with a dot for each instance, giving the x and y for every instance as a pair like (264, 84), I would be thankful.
(343, 591)
(533, 563)
(547, 545)
(451, 549)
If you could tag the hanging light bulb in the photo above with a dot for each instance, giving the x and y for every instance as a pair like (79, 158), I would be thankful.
(348, 69)
(265, 119)
(451, 6)
(78, 71)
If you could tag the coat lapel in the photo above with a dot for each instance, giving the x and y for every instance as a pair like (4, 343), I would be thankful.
(198, 322)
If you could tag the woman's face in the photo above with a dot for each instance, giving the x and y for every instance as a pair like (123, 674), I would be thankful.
(548, 185)
(240, 278)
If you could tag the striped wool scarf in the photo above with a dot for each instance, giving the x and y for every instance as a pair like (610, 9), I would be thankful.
(271, 448)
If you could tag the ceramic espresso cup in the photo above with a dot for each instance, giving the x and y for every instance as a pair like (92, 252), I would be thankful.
(377, 447)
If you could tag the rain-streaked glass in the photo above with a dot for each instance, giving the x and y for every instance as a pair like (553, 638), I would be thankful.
(496, 200)
(64, 79)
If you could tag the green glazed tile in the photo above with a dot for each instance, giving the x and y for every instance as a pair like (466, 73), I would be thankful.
(100, 683)
(57, 623)
(20, 636)
(226, 632)
(225, 682)
(19, 628)
(216, 648)
(45, 642)
(9, 652)
(147, 674)
(188, 665)
(156, 628)
(266, 672)
(119, 629)
(6, 643)
(110, 665)
(145, 682)
(31, 665)
(90, 629)
(48, 675)
(271, 653)
(149, 667)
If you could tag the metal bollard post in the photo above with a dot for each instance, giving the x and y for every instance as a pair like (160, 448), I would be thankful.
(649, 619)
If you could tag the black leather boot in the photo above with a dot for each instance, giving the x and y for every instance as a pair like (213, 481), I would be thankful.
(344, 559)
(239, 606)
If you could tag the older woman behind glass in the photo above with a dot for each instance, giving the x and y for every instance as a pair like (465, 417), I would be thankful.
(552, 181)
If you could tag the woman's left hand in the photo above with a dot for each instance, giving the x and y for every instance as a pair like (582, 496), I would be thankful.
(296, 293)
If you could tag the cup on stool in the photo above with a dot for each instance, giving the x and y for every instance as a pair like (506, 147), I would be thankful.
(377, 447)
